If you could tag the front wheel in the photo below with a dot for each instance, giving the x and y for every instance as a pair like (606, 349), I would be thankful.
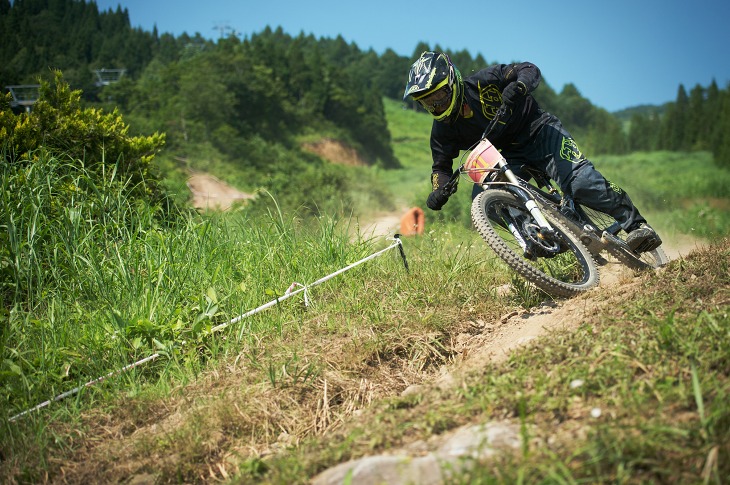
(558, 264)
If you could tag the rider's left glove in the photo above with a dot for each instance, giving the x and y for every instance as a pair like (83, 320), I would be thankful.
(437, 199)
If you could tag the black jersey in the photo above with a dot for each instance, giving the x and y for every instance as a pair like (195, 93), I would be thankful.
(483, 94)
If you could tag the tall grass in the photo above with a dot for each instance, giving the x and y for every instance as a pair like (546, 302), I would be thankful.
(92, 281)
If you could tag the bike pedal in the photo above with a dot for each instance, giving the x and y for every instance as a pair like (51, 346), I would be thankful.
(591, 241)
(609, 238)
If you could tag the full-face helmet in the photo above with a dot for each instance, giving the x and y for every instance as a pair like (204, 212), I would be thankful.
(436, 84)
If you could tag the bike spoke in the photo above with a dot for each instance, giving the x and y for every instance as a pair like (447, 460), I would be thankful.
(555, 262)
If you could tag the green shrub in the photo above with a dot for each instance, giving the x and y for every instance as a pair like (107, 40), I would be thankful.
(58, 124)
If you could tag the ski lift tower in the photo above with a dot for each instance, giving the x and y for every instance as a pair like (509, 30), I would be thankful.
(24, 95)
(105, 77)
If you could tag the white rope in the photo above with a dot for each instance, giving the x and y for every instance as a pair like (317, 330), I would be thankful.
(303, 288)
(289, 293)
(88, 384)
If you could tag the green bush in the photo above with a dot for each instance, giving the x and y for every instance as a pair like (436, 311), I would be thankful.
(59, 125)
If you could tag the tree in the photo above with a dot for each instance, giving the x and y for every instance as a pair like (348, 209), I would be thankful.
(390, 77)
(60, 125)
(696, 118)
(573, 109)
(605, 134)
(721, 141)
(674, 126)
(643, 132)
(713, 117)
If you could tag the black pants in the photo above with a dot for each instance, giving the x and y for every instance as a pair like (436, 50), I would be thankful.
(549, 147)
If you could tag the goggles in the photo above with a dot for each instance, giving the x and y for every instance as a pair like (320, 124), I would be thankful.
(438, 101)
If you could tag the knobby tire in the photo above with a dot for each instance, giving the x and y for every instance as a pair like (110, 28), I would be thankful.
(583, 274)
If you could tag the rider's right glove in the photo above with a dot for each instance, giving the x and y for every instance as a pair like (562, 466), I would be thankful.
(438, 197)
(513, 91)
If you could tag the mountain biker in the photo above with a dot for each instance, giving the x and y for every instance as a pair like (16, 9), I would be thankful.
(526, 135)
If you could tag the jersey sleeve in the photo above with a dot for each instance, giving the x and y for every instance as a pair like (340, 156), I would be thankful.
(444, 149)
(525, 72)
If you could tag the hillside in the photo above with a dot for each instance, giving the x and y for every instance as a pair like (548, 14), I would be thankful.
(389, 375)
(395, 409)
(189, 315)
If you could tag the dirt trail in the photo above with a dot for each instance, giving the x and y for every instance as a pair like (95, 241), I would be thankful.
(498, 339)
(512, 330)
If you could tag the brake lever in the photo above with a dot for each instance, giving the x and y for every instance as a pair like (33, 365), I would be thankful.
(453, 183)
(500, 112)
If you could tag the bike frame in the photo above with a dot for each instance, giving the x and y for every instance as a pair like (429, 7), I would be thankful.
(595, 239)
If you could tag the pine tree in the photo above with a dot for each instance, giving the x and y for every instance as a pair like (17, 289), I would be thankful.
(696, 117)
(721, 141)
(675, 121)
(713, 106)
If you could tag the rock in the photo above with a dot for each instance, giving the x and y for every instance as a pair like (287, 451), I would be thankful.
(454, 453)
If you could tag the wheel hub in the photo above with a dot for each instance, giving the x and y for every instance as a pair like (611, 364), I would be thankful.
(539, 244)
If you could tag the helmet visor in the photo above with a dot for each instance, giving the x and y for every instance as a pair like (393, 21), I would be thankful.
(438, 101)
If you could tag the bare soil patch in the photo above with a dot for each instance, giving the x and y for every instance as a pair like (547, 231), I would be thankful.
(211, 193)
(335, 152)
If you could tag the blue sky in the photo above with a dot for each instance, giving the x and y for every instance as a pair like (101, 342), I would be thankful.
(618, 53)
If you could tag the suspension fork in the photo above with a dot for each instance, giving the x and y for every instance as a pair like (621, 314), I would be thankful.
(525, 196)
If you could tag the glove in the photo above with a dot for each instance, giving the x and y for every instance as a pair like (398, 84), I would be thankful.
(513, 92)
(438, 197)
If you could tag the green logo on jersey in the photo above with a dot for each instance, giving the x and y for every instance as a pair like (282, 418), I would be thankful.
(615, 187)
(569, 151)
(490, 99)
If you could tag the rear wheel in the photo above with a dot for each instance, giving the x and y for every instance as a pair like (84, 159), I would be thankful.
(557, 263)
(619, 249)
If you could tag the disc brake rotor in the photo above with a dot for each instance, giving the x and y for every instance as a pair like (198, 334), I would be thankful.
(538, 244)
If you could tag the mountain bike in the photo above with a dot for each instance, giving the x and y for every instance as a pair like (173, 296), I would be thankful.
(542, 234)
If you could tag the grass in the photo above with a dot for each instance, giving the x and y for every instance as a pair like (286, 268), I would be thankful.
(684, 192)
(286, 357)
(101, 289)
(654, 361)
(92, 282)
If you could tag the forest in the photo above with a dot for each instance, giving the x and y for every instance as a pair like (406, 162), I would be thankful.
(245, 98)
